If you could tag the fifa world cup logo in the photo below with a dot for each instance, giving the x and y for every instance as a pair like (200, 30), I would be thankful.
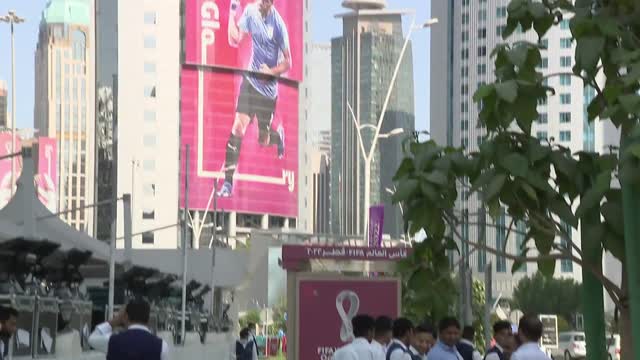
(346, 314)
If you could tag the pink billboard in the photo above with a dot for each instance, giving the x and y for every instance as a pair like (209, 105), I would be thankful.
(326, 307)
(46, 179)
(7, 187)
(243, 143)
(253, 35)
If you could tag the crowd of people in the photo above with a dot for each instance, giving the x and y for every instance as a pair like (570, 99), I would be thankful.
(387, 339)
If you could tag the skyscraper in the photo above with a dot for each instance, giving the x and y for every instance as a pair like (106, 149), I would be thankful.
(65, 101)
(461, 46)
(3, 105)
(363, 60)
(320, 169)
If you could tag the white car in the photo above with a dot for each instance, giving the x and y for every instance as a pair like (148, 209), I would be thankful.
(571, 345)
(613, 347)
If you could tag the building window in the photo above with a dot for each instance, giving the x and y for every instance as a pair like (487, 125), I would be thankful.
(148, 238)
(542, 118)
(565, 61)
(565, 79)
(465, 2)
(544, 43)
(482, 239)
(564, 24)
(464, 89)
(565, 135)
(66, 90)
(501, 11)
(482, 15)
(464, 71)
(149, 18)
(521, 236)
(149, 67)
(75, 89)
(148, 214)
(149, 116)
(149, 140)
(482, 69)
(150, 42)
(464, 54)
(542, 101)
(482, 51)
(542, 135)
(500, 29)
(465, 18)
(464, 125)
(150, 91)
(465, 36)
(565, 99)
(566, 265)
(149, 165)
(565, 117)
(465, 143)
(501, 242)
(149, 190)
(58, 118)
(464, 107)
(79, 45)
(83, 120)
(565, 43)
(545, 63)
(482, 33)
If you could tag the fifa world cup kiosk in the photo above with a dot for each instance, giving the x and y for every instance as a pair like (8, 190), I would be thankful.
(327, 286)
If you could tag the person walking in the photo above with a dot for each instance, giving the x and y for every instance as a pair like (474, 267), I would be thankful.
(8, 327)
(448, 338)
(422, 342)
(466, 347)
(135, 343)
(244, 347)
(529, 332)
(383, 334)
(502, 335)
(360, 348)
(399, 346)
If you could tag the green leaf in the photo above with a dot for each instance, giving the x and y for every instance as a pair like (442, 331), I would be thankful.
(405, 190)
(593, 196)
(494, 187)
(531, 192)
(437, 177)
(537, 10)
(429, 191)
(614, 244)
(559, 207)
(507, 91)
(518, 55)
(596, 107)
(592, 235)
(543, 24)
(516, 164)
(418, 279)
(634, 149)
(588, 52)
(630, 103)
(483, 179)
(543, 240)
(450, 244)
(633, 76)
(517, 264)
(612, 213)
(609, 27)
(547, 267)
(483, 91)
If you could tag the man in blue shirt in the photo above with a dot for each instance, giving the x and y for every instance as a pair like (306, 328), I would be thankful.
(448, 337)
(270, 58)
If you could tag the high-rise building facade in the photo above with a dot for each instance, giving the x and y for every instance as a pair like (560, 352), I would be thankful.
(65, 102)
(4, 116)
(461, 45)
(363, 60)
(321, 169)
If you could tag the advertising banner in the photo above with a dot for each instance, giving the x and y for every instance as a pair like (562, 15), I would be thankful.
(46, 180)
(7, 187)
(549, 339)
(376, 225)
(242, 140)
(326, 307)
(245, 34)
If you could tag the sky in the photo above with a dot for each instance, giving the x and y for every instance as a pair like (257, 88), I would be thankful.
(324, 27)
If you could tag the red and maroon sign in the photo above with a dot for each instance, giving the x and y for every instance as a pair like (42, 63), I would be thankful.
(293, 255)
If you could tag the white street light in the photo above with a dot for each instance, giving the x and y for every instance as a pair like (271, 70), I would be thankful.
(368, 155)
(394, 132)
(11, 18)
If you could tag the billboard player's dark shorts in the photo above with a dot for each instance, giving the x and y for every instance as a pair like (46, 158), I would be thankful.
(252, 103)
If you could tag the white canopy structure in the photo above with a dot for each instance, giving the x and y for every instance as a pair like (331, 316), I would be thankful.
(26, 217)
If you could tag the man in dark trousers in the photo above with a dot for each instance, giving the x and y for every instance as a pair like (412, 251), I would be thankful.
(502, 333)
(135, 343)
(8, 326)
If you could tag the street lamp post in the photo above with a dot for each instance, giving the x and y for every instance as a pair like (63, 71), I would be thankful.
(11, 18)
(368, 155)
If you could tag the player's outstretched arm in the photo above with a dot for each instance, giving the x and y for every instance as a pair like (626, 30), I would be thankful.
(235, 33)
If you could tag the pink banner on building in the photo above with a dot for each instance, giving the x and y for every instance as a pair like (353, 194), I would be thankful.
(326, 308)
(7, 187)
(46, 180)
(263, 181)
(212, 39)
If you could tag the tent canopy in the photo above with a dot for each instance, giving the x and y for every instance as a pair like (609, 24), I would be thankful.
(26, 217)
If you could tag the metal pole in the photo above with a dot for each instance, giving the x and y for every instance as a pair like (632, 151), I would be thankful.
(213, 245)
(488, 294)
(185, 264)
(114, 197)
(13, 107)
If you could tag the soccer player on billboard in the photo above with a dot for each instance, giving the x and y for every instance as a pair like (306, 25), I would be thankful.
(270, 58)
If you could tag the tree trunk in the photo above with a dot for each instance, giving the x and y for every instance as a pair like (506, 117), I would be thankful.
(626, 339)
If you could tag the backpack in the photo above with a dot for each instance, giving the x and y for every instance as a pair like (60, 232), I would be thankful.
(244, 352)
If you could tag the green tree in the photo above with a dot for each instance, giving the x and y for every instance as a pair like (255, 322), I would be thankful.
(252, 316)
(541, 184)
(561, 296)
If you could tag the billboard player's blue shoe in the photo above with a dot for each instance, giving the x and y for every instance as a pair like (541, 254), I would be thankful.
(281, 144)
(226, 191)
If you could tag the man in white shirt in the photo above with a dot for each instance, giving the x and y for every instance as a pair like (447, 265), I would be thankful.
(360, 348)
(135, 342)
(529, 332)
(402, 334)
(382, 337)
(8, 327)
